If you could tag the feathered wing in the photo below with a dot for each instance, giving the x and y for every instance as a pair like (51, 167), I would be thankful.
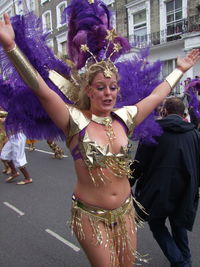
(138, 78)
(25, 112)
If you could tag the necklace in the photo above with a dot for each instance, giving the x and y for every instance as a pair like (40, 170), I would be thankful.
(107, 122)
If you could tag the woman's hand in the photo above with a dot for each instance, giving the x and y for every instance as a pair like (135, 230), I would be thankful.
(7, 34)
(189, 60)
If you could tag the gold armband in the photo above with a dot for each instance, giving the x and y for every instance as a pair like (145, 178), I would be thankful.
(24, 68)
(3, 114)
(174, 77)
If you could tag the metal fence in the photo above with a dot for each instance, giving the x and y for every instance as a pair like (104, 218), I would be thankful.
(174, 31)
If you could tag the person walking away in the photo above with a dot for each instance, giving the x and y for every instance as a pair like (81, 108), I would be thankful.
(169, 181)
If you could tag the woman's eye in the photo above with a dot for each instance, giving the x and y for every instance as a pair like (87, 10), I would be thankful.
(113, 88)
(100, 88)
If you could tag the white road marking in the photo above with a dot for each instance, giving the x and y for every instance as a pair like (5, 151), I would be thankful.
(47, 152)
(14, 208)
(75, 248)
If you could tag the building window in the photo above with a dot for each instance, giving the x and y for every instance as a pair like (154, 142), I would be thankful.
(62, 44)
(174, 18)
(140, 26)
(167, 67)
(46, 21)
(139, 23)
(59, 11)
(31, 5)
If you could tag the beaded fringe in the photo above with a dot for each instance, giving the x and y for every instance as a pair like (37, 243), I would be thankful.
(114, 223)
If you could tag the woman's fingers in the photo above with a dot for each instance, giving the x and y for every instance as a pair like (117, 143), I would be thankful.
(6, 19)
(194, 54)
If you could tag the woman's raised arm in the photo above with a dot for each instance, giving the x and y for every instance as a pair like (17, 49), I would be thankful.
(52, 103)
(149, 103)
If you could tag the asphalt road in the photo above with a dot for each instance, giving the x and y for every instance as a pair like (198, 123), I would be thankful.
(33, 218)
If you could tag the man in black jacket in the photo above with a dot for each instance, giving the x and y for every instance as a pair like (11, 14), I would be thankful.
(169, 181)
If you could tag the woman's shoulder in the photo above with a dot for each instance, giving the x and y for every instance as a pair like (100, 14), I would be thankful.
(78, 120)
(125, 111)
(127, 114)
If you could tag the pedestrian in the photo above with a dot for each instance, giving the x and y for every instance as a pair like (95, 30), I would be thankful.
(13, 154)
(168, 175)
(3, 139)
(103, 217)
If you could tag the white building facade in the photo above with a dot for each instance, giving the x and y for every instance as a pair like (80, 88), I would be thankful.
(169, 27)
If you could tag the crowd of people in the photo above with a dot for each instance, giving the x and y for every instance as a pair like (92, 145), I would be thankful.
(104, 212)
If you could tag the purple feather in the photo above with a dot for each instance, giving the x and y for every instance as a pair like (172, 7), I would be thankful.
(138, 78)
(88, 24)
(192, 89)
(24, 109)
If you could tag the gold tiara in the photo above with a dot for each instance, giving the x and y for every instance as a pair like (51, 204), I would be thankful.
(71, 87)
(111, 35)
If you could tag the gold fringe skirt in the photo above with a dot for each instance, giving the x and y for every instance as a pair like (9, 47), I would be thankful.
(115, 226)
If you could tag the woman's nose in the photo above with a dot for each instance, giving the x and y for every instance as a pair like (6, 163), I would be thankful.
(107, 90)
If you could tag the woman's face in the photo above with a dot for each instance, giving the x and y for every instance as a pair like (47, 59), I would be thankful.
(103, 93)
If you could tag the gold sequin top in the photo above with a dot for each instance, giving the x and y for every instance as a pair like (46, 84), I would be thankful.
(99, 156)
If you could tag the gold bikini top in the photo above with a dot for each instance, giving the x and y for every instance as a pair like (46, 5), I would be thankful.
(99, 156)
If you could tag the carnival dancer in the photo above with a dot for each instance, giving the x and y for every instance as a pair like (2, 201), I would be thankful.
(3, 139)
(103, 217)
(13, 154)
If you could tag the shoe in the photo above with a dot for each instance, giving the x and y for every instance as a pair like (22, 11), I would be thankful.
(25, 181)
(8, 171)
(10, 178)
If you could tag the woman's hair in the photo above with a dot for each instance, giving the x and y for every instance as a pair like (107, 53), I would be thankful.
(88, 77)
(174, 105)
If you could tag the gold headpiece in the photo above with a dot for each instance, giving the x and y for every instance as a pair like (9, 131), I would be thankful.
(108, 68)
(71, 87)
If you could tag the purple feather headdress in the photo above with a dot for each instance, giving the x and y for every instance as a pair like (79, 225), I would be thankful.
(88, 25)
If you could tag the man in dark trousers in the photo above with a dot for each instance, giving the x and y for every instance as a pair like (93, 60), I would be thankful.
(169, 181)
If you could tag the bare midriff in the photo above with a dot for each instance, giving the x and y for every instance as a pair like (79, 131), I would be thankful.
(108, 195)
(113, 190)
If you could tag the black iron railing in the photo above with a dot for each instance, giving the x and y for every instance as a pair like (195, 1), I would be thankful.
(174, 31)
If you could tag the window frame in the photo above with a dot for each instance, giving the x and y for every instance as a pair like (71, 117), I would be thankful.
(175, 24)
(44, 21)
(58, 14)
(139, 25)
